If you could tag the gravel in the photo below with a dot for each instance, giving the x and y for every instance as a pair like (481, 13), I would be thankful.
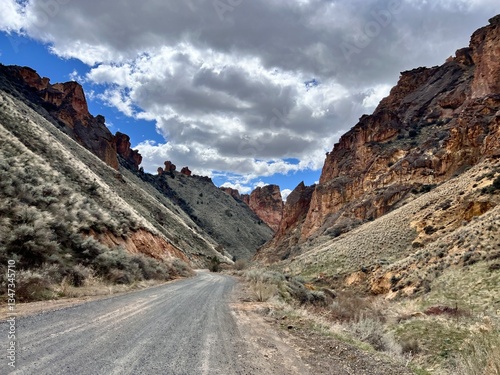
(185, 327)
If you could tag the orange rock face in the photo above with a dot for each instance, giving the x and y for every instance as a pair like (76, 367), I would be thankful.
(434, 124)
(485, 54)
(267, 203)
(132, 157)
(66, 103)
(288, 232)
(142, 242)
(185, 171)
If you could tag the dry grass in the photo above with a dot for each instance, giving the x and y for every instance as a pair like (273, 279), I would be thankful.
(480, 354)
(262, 291)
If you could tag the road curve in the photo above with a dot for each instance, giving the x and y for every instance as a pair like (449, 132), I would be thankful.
(185, 327)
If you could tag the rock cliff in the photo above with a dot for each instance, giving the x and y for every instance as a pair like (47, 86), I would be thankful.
(132, 157)
(289, 229)
(436, 123)
(232, 192)
(66, 103)
(267, 203)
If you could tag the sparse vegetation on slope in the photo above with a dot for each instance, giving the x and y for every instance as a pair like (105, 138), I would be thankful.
(55, 213)
(48, 226)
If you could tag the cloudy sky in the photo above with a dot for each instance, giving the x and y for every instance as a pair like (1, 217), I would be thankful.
(248, 92)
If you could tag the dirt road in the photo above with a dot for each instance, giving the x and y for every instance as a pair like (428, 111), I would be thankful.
(184, 327)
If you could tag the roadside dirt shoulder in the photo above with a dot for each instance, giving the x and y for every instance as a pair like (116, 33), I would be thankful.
(284, 346)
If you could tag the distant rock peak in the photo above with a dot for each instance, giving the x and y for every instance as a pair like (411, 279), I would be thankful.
(232, 192)
(267, 203)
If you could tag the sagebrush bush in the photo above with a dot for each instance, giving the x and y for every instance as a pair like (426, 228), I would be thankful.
(373, 332)
(348, 307)
(33, 286)
(262, 291)
(288, 288)
(240, 264)
(180, 268)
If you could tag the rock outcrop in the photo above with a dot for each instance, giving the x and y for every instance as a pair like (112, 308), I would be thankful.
(246, 198)
(485, 54)
(170, 167)
(142, 242)
(267, 203)
(232, 192)
(132, 157)
(186, 172)
(289, 229)
(436, 123)
(66, 102)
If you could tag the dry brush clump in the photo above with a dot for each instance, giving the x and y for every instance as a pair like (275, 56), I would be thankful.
(358, 319)
(268, 284)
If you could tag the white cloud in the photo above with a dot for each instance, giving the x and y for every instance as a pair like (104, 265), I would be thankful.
(241, 188)
(375, 95)
(227, 91)
(11, 16)
(285, 193)
(259, 184)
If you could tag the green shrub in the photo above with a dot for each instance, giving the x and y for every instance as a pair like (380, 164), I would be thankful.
(214, 265)
(240, 264)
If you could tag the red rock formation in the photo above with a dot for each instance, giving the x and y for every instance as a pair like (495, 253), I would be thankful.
(132, 157)
(267, 203)
(288, 233)
(185, 171)
(246, 198)
(232, 192)
(66, 103)
(169, 167)
(435, 123)
(32, 79)
(160, 171)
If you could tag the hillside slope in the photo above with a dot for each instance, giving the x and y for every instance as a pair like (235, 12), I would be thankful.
(230, 222)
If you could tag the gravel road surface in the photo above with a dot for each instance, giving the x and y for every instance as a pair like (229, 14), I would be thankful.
(185, 327)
